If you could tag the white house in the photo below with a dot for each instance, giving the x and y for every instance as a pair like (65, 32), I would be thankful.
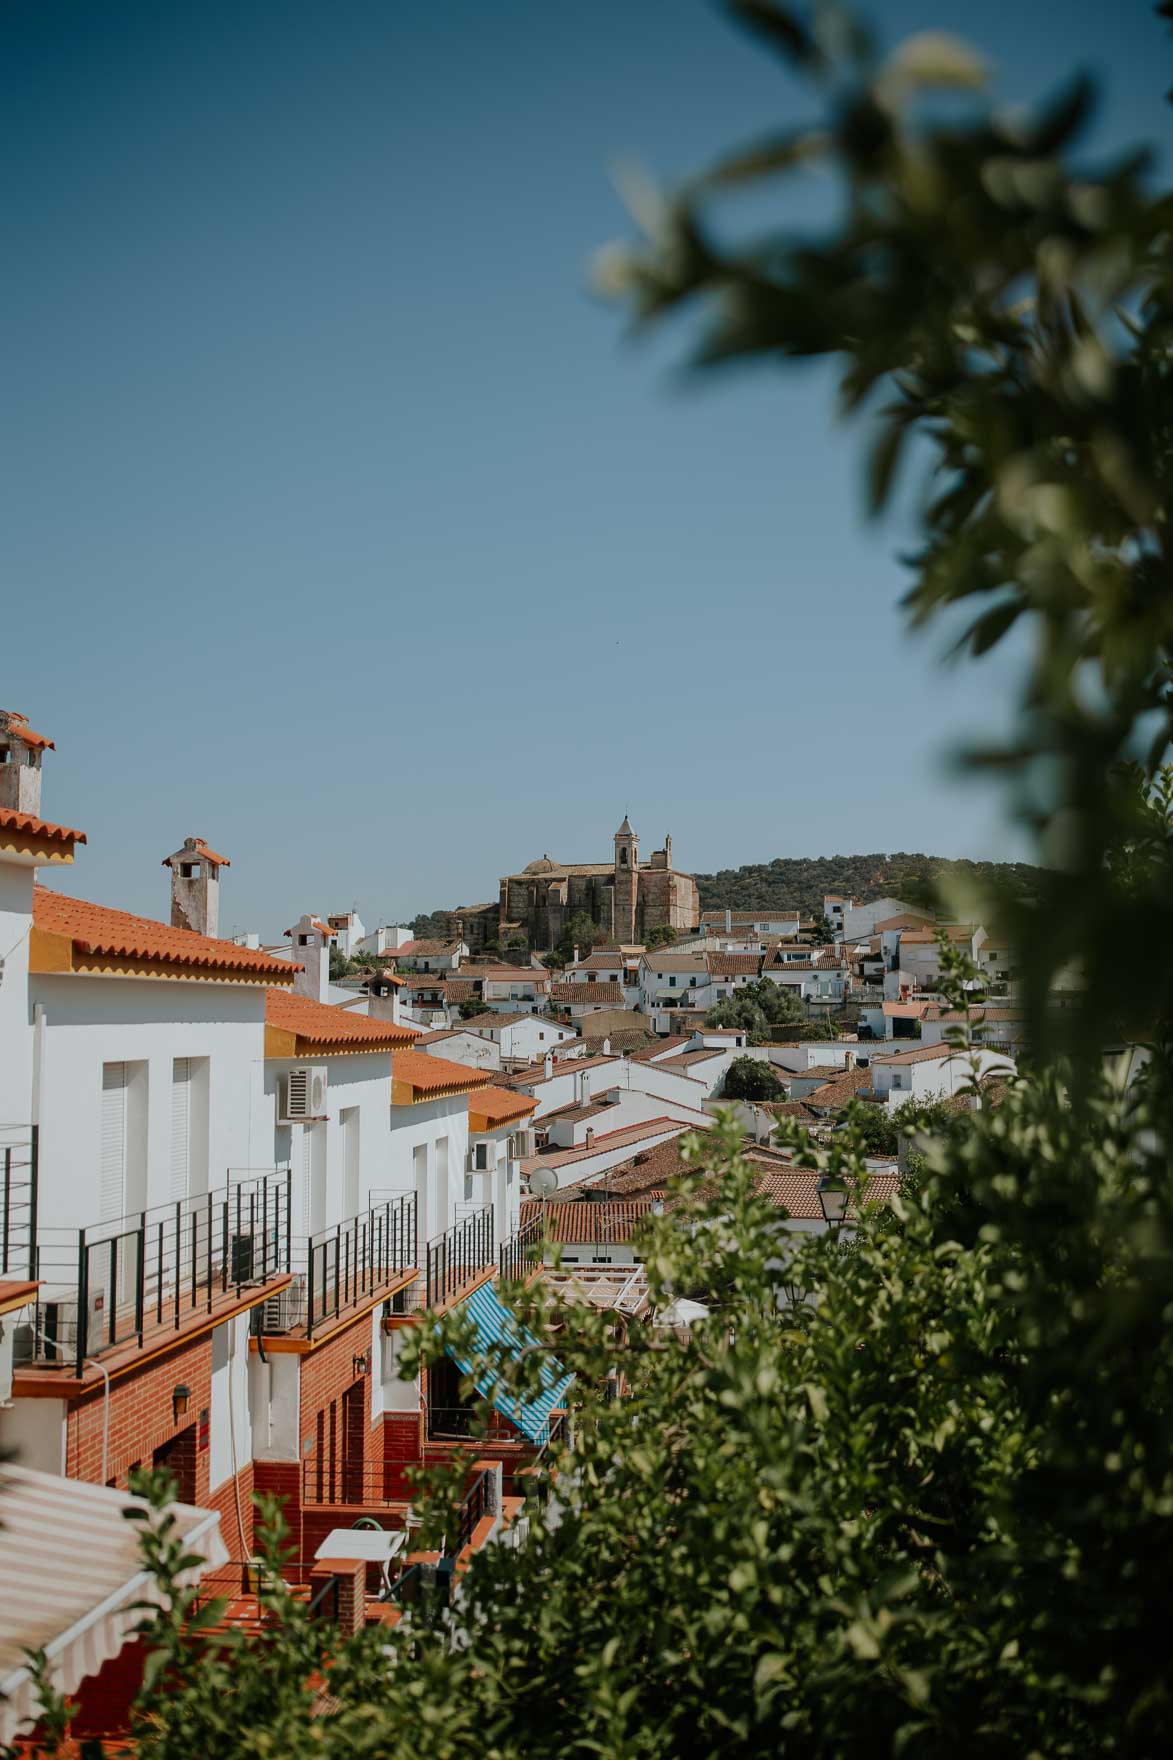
(388, 939)
(430, 956)
(349, 933)
(582, 998)
(460, 1045)
(928, 1071)
(513, 989)
(520, 1038)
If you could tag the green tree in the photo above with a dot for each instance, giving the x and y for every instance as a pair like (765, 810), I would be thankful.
(471, 1007)
(928, 1513)
(662, 936)
(581, 932)
(748, 1078)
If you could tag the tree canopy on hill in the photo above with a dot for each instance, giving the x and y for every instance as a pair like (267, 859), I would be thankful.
(802, 882)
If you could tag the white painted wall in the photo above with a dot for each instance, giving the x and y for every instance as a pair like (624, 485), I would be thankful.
(92, 1021)
(424, 1127)
(230, 1428)
(360, 1083)
(16, 1034)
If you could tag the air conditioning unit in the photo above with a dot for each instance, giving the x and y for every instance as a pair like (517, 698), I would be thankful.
(285, 1310)
(478, 1158)
(524, 1143)
(303, 1094)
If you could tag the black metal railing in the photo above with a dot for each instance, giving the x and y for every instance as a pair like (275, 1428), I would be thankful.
(455, 1258)
(110, 1284)
(324, 1605)
(329, 1477)
(352, 1261)
(521, 1251)
(474, 1508)
(19, 1147)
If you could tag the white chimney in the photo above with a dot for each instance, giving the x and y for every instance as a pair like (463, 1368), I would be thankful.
(582, 1082)
(195, 886)
(311, 949)
(575, 959)
(728, 922)
(548, 1065)
(606, 1047)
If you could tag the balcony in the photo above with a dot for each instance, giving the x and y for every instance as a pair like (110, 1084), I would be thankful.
(339, 1271)
(18, 1201)
(132, 1283)
(522, 1252)
(460, 1257)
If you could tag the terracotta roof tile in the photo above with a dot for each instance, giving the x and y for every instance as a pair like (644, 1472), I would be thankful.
(96, 929)
(20, 728)
(580, 993)
(581, 1222)
(734, 965)
(28, 825)
(430, 1076)
(490, 1107)
(200, 851)
(318, 1024)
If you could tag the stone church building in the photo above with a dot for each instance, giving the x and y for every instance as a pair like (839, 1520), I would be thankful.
(626, 897)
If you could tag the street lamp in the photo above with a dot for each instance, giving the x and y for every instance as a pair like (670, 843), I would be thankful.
(833, 1194)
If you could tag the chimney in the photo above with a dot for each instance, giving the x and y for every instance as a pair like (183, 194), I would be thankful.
(583, 1085)
(20, 763)
(195, 886)
(606, 1047)
(574, 961)
(548, 1065)
(589, 1137)
(311, 949)
(728, 922)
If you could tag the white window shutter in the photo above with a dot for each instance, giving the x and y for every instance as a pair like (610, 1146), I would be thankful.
(180, 1127)
(112, 1170)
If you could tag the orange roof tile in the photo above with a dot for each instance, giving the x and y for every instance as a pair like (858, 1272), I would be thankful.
(416, 1075)
(199, 848)
(28, 825)
(20, 727)
(491, 1107)
(318, 1025)
(95, 929)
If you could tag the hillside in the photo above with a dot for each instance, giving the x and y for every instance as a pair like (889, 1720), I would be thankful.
(803, 881)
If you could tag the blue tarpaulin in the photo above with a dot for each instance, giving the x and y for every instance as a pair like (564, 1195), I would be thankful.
(496, 1325)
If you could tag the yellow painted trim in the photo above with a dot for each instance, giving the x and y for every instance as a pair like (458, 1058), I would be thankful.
(280, 1042)
(479, 1121)
(49, 952)
(13, 843)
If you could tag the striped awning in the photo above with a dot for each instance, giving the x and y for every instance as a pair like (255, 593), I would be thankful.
(70, 1578)
(496, 1325)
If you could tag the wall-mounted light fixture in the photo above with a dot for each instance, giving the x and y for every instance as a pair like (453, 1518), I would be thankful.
(360, 1363)
(180, 1400)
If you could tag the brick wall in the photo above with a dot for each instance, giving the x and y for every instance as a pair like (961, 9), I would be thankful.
(141, 1416)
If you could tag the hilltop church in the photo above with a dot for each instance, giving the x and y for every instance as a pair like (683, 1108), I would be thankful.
(627, 897)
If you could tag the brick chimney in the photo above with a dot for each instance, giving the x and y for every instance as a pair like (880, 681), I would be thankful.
(195, 886)
(20, 763)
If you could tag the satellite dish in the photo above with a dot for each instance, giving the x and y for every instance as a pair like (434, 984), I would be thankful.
(543, 1181)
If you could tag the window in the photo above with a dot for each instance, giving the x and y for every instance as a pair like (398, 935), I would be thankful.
(5, 755)
(623, 858)
(672, 982)
(303, 940)
(189, 870)
(31, 759)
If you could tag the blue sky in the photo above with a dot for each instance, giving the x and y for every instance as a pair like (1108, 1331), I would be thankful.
(346, 529)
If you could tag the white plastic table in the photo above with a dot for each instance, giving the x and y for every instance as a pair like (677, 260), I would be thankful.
(374, 1545)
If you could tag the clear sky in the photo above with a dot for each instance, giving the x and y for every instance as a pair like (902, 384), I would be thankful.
(345, 528)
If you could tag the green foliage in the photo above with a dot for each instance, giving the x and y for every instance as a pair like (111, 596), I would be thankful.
(928, 1514)
(474, 1005)
(581, 932)
(662, 936)
(758, 1009)
(340, 965)
(748, 1078)
(802, 882)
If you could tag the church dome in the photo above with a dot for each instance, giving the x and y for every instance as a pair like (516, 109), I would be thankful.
(542, 866)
